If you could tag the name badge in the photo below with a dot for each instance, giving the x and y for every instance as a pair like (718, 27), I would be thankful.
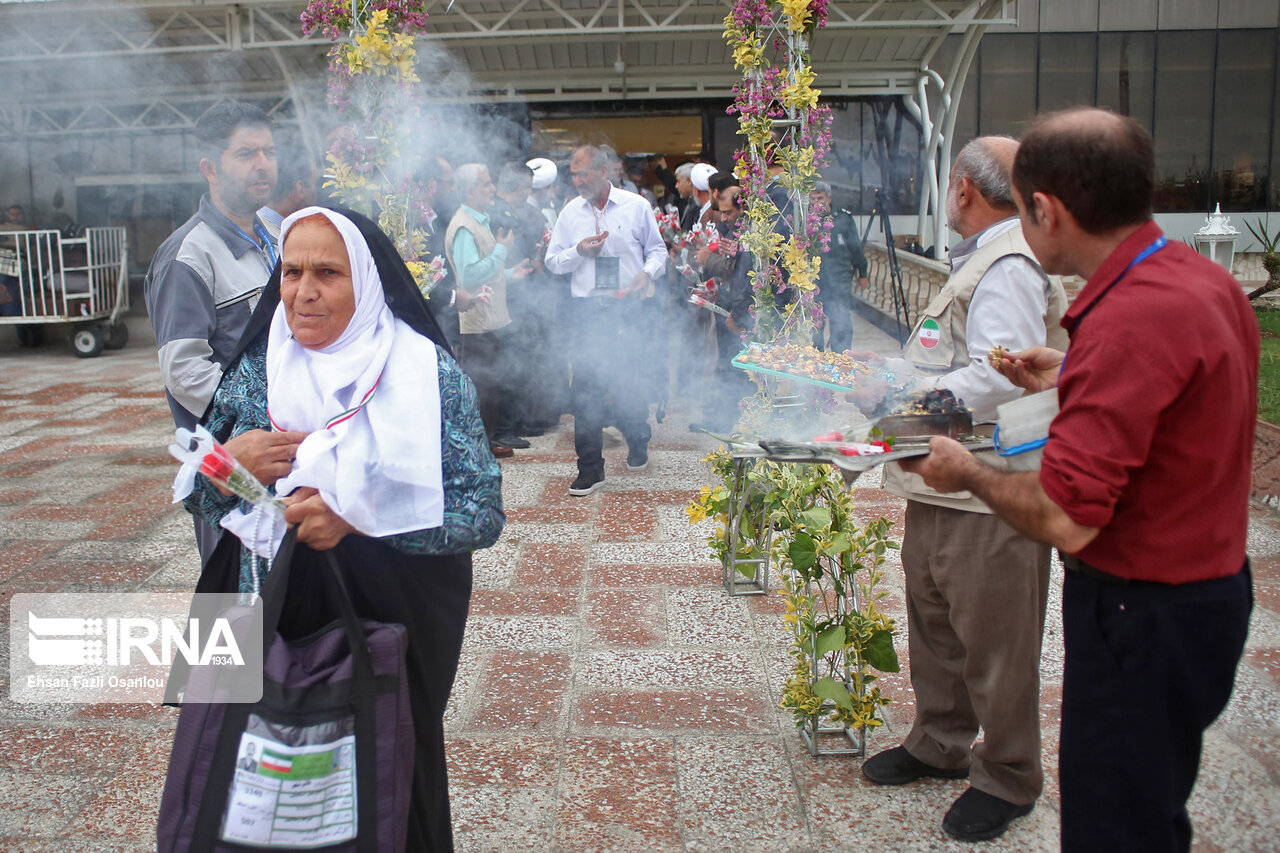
(608, 272)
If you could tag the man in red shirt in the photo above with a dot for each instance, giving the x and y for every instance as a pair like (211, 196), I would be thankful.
(1144, 485)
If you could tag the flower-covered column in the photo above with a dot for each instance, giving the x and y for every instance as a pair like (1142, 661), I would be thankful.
(786, 142)
(831, 564)
(373, 87)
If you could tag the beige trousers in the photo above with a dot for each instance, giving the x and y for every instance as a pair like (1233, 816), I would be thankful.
(976, 597)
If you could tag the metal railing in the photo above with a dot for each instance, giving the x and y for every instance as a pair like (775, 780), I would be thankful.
(922, 279)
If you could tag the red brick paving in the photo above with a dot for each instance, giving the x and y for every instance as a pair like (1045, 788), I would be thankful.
(740, 711)
(557, 565)
(622, 793)
(522, 691)
(524, 602)
(632, 618)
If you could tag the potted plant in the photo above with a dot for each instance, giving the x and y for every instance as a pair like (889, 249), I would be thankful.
(1270, 257)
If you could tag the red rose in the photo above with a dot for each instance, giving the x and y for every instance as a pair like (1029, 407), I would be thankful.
(216, 468)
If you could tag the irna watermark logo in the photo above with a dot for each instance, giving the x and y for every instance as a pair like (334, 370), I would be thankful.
(92, 641)
(134, 647)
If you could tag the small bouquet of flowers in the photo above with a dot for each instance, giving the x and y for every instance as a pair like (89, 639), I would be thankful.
(435, 271)
(201, 453)
(669, 228)
(427, 274)
(695, 238)
(697, 298)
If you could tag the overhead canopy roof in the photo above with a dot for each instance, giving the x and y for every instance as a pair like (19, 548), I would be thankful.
(88, 66)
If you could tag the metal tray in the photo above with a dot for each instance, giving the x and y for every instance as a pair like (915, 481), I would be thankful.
(825, 453)
(796, 377)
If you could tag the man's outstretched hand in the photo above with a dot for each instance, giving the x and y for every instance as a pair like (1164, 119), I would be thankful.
(1035, 369)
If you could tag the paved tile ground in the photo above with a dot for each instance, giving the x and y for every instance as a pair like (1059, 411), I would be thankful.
(611, 696)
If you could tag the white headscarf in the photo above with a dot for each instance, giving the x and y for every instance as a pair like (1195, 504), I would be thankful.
(370, 401)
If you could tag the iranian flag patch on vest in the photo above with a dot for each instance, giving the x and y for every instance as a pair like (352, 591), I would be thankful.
(929, 334)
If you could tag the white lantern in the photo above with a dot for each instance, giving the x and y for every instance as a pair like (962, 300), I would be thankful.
(1217, 239)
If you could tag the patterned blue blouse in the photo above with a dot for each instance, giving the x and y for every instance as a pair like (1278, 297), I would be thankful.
(473, 516)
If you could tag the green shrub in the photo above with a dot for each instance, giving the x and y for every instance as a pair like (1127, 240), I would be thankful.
(1269, 367)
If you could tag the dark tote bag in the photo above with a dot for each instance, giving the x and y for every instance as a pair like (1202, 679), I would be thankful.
(323, 762)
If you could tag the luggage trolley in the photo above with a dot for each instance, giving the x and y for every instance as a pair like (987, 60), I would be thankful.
(80, 281)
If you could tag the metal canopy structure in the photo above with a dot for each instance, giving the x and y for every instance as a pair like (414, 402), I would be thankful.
(76, 67)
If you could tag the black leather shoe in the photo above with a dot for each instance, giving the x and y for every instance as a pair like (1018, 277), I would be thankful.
(898, 767)
(979, 816)
(512, 441)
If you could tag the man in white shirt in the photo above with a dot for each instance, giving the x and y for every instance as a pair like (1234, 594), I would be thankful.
(976, 588)
(608, 241)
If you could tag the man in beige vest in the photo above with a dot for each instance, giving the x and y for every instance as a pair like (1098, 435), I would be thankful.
(976, 589)
(488, 346)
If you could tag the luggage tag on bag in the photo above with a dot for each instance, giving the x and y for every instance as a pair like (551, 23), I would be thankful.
(294, 786)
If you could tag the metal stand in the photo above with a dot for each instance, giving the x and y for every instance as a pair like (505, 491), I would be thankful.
(900, 311)
(811, 732)
(748, 526)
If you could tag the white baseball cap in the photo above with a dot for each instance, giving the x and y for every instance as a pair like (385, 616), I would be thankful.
(701, 173)
(544, 172)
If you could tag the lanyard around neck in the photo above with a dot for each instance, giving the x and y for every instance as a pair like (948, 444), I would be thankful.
(1159, 243)
(266, 248)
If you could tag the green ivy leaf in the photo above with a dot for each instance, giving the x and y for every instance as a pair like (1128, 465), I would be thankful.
(831, 640)
(803, 552)
(838, 545)
(879, 652)
(829, 688)
(817, 518)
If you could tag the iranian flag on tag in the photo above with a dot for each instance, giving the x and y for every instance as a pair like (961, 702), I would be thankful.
(929, 334)
(276, 763)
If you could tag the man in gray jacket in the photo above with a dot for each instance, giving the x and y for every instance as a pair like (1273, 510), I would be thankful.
(205, 280)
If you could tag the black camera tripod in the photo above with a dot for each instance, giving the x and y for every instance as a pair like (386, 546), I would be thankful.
(900, 311)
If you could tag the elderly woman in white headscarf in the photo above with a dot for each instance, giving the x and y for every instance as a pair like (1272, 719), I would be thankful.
(346, 400)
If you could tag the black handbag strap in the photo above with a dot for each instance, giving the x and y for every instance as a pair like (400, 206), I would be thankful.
(364, 699)
(222, 770)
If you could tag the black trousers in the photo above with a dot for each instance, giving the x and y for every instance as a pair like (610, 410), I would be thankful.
(1148, 667)
(491, 359)
(430, 596)
(721, 411)
(608, 379)
(541, 375)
